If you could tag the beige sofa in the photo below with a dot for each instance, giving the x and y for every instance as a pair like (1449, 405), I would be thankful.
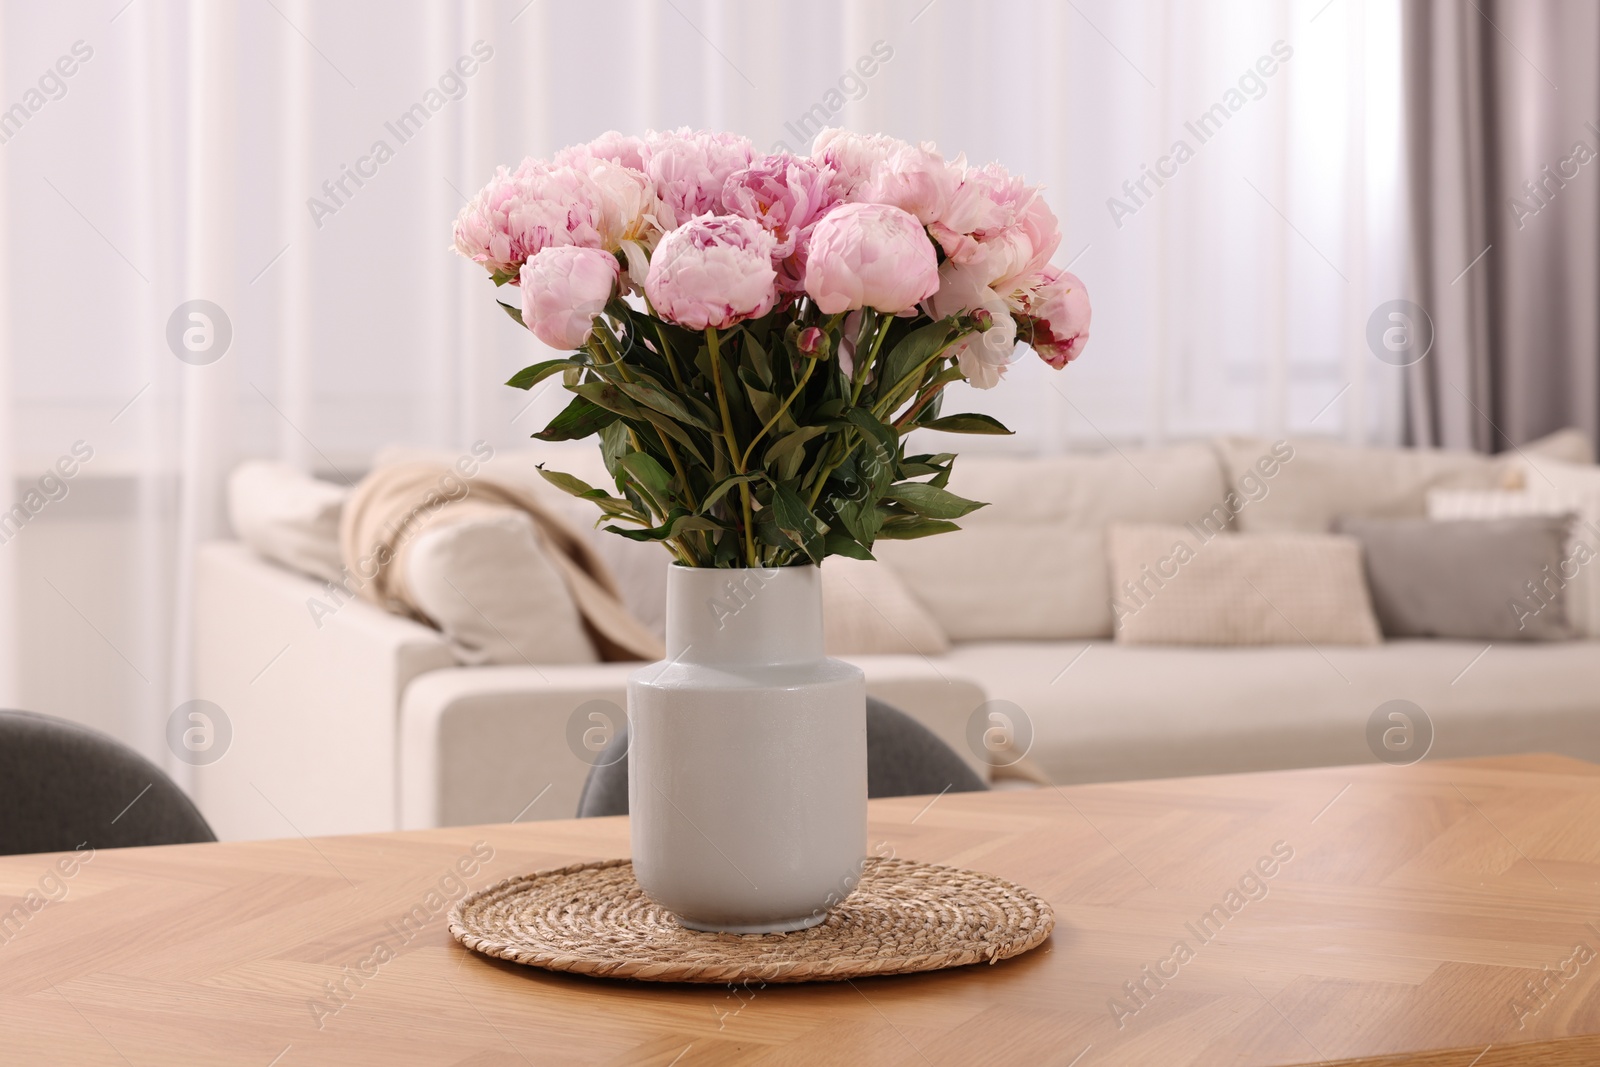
(367, 723)
(364, 721)
(1023, 592)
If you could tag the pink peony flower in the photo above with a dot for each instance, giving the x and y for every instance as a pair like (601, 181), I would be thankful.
(563, 289)
(999, 224)
(982, 357)
(713, 271)
(610, 146)
(1056, 311)
(851, 156)
(913, 178)
(870, 255)
(518, 214)
(786, 195)
(689, 168)
(625, 203)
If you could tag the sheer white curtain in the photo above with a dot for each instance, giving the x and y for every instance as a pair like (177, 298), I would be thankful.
(230, 152)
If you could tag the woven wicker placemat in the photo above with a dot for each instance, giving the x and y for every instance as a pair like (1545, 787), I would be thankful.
(592, 918)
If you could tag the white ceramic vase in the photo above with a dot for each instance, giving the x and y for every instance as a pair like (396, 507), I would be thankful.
(747, 758)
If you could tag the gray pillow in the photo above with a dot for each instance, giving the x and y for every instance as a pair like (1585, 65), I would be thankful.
(1480, 579)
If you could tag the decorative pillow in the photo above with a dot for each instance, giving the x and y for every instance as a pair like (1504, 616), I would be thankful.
(1478, 579)
(867, 610)
(1579, 482)
(1324, 479)
(1177, 585)
(1580, 567)
(287, 516)
(1571, 445)
(489, 586)
(1032, 565)
(639, 567)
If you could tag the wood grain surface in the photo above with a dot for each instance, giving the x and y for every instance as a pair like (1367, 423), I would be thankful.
(1445, 914)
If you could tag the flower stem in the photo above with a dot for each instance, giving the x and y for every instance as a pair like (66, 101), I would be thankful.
(714, 347)
(811, 365)
(666, 354)
(608, 341)
(880, 331)
(864, 367)
(931, 389)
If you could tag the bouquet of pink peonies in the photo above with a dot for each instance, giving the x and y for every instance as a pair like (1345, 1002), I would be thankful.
(753, 336)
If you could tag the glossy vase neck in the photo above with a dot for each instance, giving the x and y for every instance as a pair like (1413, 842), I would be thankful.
(744, 616)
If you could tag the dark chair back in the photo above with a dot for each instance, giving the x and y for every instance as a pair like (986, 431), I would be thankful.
(63, 785)
(904, 758)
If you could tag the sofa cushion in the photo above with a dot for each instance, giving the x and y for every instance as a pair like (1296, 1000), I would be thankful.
(640, 568)
(477, 580)
(1580, 564)
(1032, 565)
(1100, 711)
(1174, 586)
(1571, 445)
(868, 611)
(1466, 578)
(287, 516)
(1324, 479)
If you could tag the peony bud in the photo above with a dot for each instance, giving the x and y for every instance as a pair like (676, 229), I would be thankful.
(712, 272)
(811, 340)
(870, 255)
(563, 289)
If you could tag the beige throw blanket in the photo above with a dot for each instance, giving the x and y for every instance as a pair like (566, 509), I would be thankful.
(395, 503)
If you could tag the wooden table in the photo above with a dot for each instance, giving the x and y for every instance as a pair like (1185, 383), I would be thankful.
(1375, 911)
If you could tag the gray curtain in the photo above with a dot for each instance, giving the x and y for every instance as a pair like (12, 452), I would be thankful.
(1503, 146)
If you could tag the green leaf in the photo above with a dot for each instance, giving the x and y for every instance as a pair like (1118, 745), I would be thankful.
(650, 474)
(756, 359)
(727, 550)
(862, 419)
(790, 441)
(920, 466)
(654, 533)
(614, 444)
(515, 313)
(678, 521)
(767, 531)
(611, 506)
(838, 544)
(859, 515)
(763, 403)
(686, 523)
(614, 508)
(576, 421)
(912, 354)
(907, 527)
(608, 396)
(797, 522)
(930, 501)
(654, 397)
(670, 427)
(528, 377)
(721, 489)
(868, 472)
(937, 461)
(567, 483)
(967, 423)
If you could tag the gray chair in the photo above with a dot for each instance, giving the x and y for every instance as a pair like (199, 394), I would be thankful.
(904, 758)
(63, 785)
